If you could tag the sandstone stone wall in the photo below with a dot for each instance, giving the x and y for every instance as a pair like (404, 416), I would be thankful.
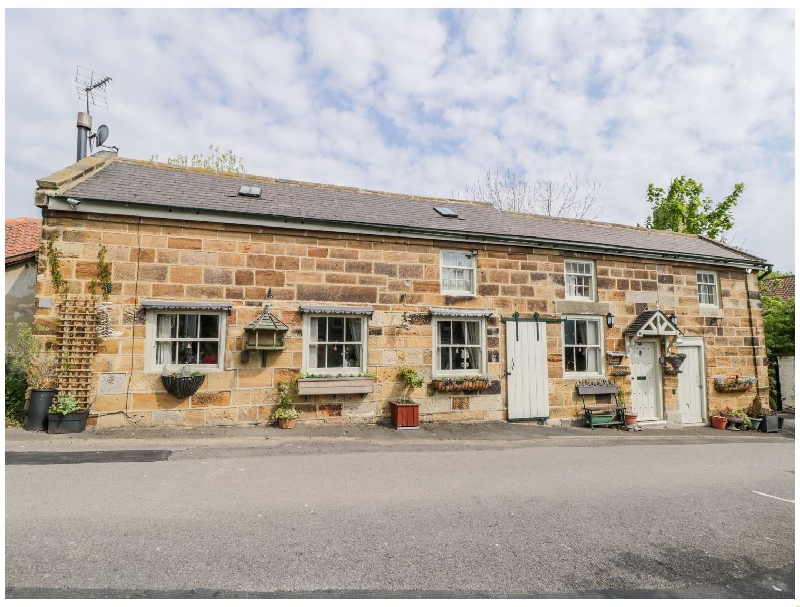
(399, 278)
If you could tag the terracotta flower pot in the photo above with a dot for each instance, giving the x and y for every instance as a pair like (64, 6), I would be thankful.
(286, 423)
(630, 419)
(719, 422)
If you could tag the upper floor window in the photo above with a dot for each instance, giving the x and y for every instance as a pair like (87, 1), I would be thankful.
(185, 338)
(579, 280)
(458, 272)
(583, 338)
(707, 289)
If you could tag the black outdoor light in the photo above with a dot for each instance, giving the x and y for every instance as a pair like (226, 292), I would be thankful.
(673, 318)
(609, 320)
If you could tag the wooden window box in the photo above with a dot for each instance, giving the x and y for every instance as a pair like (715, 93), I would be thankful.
(335, 385)
(597, 390)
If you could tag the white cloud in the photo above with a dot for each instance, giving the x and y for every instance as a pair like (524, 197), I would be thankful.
(424, 102)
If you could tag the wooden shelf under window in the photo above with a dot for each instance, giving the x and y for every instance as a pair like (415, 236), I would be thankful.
(335, 385)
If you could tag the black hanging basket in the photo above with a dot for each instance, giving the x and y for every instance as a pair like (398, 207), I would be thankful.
(182, 387)
(675, 361)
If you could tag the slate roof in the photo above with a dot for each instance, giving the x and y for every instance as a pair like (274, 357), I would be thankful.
(779, 286)
(23, 236)
(159, 185)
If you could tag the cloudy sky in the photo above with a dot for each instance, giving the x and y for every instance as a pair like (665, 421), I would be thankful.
(424, 101)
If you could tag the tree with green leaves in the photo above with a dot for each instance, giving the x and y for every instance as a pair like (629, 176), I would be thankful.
(778, 317)
(682, 209)
(778, 314)
(221, 162)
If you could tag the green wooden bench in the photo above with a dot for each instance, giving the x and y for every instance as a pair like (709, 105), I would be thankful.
(612, 414)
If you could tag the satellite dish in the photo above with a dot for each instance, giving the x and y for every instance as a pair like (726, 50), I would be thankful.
(102, 134)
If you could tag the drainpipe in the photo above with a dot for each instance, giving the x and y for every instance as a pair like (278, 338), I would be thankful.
(84, 127)
(752, 326)
(766, 273)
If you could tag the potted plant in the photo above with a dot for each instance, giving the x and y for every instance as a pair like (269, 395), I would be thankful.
(733, 383)
(756, 413)
(404, 411)
(286, 414)
(770, 422)
(183, 383)
(719, 421)
(736, 417)
(675, 360)
(622, 398)
(30, 357)
(65, 415)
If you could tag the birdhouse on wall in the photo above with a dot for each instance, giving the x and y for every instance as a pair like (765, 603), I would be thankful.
(265, 333)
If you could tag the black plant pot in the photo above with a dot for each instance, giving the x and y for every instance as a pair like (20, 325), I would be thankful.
(67, 424)
(40, 402)
(769, 423)
(182, 387)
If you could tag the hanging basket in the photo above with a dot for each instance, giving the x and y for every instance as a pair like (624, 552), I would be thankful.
(182, 387)
(740, 387)
(444, 385)
(674, 361)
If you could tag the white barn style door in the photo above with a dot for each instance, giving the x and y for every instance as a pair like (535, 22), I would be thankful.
(526, 361)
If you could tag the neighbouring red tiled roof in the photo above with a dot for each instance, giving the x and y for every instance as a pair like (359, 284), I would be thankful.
(779, 286)
(23, 236)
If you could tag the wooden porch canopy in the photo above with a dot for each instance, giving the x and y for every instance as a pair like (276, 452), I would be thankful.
(652, 323)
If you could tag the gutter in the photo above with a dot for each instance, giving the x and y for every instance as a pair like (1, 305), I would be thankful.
(59, 203)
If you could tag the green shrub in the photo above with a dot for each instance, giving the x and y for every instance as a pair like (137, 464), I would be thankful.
(16, 388)
(64, 404)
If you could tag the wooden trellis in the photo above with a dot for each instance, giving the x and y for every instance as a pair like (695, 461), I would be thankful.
(77, 344)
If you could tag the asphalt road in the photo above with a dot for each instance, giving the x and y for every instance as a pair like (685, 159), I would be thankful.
(553, 519)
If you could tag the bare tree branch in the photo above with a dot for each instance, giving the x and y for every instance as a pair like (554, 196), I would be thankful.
(511, 191)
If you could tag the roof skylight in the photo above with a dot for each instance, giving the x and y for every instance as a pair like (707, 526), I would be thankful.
(250, 191)
(445, 212)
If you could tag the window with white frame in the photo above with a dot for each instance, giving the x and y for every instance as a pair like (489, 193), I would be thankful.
(458, 272)
(459, 346)
(707, 289)
(583, 339)
(194, 338)
(579, 280)
(335, 344)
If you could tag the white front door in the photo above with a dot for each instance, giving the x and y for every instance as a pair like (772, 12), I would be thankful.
(691, 391)
(526, 365)
(645, 392)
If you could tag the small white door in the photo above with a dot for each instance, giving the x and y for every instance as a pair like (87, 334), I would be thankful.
(690, 385)
(526, 363)
(644, 380)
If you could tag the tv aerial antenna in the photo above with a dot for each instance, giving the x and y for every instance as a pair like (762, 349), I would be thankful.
(91, 87)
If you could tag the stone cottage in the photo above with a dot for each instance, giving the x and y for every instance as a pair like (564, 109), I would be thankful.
(181, 267)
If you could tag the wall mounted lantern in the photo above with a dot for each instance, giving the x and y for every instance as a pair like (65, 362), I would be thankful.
(673, 318)
(609, 320)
